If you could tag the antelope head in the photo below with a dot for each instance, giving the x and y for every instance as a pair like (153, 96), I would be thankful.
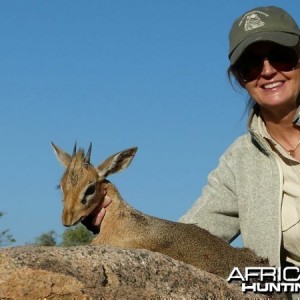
(82, 183)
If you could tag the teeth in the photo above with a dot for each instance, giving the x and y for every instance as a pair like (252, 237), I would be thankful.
(272, 85)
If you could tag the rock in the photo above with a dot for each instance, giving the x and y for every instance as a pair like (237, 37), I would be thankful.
(104, 272)
(29, 284)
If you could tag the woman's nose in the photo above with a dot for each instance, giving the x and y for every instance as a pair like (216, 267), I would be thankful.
(267, 69)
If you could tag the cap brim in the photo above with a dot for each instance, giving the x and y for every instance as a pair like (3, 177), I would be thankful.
(282, 38)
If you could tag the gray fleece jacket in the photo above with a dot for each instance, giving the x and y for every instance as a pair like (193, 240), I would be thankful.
(244, 195)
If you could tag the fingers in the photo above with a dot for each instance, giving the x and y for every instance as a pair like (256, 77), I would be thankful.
(99, 217)
(107, 201)
(93, 221)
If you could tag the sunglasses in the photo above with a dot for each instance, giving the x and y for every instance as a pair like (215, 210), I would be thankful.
(250, 65)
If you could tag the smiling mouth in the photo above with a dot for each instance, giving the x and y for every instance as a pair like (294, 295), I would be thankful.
(272, 85)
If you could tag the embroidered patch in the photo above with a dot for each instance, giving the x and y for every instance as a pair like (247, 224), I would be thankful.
(252, 20)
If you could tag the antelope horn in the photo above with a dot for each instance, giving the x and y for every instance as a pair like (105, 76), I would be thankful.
(88, 154)
(74, 149)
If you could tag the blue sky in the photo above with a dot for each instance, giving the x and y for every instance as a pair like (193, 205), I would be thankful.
(118, 73)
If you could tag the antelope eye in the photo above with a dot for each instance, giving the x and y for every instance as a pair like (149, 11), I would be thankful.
(90, 190)
(88, 193)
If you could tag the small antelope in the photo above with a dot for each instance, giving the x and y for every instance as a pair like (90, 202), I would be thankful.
(84, 188)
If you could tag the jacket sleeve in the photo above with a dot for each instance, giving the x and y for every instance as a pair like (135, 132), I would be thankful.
(217, 209)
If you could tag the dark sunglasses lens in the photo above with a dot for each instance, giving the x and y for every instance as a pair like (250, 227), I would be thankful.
(283, 59)
(249, 68)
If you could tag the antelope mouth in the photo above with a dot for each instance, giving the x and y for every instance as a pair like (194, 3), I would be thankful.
(78, 221)
(74, 223)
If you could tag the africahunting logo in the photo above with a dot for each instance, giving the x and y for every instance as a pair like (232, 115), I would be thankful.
(267, 279)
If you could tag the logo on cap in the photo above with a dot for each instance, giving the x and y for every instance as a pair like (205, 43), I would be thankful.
(252, 20)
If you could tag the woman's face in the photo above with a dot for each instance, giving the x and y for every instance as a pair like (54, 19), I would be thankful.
(272, 75)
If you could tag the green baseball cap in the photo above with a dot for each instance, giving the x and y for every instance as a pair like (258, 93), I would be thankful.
(262, 24)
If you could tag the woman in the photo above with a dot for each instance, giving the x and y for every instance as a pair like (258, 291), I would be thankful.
(255, 190)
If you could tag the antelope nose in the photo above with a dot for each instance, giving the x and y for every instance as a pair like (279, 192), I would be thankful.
(67, 219)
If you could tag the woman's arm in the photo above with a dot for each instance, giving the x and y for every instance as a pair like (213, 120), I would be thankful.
(217, 209)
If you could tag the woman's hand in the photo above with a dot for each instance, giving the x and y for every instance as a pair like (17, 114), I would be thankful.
(93, 222)
(99, 217)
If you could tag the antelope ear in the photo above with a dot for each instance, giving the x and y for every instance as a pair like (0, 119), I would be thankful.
(63, 157)
(117, 162)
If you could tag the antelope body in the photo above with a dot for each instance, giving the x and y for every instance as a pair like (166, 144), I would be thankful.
(84, 188)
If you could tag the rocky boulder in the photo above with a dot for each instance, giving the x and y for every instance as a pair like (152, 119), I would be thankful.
(104, 272)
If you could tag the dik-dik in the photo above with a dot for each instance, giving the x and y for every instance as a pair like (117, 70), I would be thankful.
(84, 187)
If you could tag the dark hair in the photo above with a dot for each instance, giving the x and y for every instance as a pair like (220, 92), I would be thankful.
(234, 77)
(235, 80)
